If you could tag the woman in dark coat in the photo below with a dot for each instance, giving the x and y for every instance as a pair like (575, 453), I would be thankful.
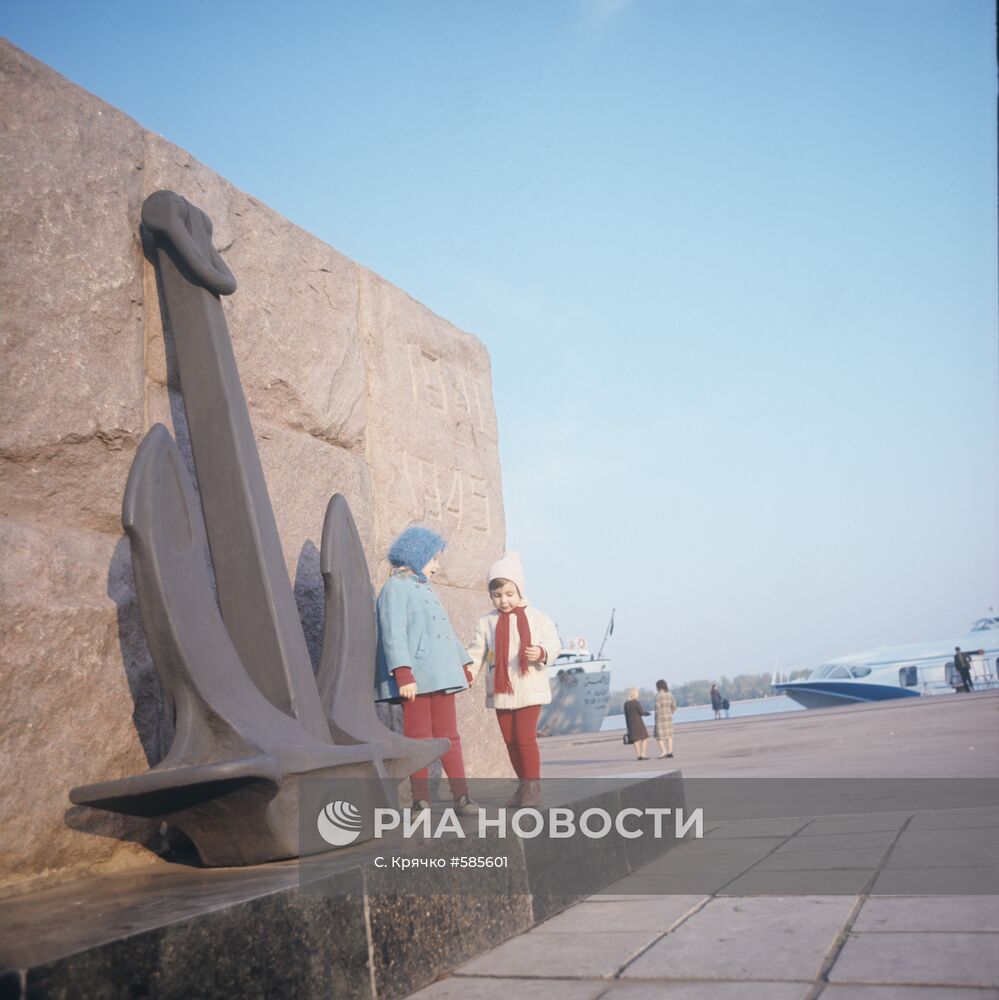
(716, 701)
(637, 733)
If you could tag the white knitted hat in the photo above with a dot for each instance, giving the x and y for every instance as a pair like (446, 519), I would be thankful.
(508, 568)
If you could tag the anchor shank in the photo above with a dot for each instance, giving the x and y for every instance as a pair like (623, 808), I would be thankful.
(255, 595)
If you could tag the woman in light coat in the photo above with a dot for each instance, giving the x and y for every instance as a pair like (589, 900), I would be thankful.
(665, 707)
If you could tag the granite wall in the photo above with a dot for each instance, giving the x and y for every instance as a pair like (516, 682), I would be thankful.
(353, 387)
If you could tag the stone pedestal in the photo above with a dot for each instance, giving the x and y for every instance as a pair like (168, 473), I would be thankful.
(322, 927)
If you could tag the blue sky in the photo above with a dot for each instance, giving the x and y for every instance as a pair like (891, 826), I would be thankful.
(734, 261)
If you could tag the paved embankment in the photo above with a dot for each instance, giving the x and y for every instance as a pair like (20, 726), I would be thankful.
(900, 904)
(946, 736)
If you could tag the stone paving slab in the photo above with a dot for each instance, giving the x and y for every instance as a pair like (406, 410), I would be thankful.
(725, 845)
(958, 839)
(907, 993)
(707, 991)
(818, 860)
(694, 863)
(583, 956)
(919, 959)
(943, 855)
(468, 988)
(955, 820)
(862, 823)
(761, 938)
(483, 988)
(839, 842)
(842, 882)
(704, 853)
(755, 828)
(929, 914)
(936, 881)
(596, 917)
(676, 883)
(616, 896)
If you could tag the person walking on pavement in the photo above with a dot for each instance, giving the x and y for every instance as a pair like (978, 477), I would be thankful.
(638, 735)
(665, 707)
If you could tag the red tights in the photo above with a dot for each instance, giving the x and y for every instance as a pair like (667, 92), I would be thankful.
(433, 715)
(519, 727)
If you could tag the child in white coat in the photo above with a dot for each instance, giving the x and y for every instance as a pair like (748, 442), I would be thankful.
(516, 643)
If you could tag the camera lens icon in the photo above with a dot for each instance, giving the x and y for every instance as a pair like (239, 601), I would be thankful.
(339, 823)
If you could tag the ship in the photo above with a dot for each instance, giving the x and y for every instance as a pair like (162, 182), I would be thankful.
(580, 684)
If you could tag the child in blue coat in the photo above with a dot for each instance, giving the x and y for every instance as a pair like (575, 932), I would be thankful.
(421, 662)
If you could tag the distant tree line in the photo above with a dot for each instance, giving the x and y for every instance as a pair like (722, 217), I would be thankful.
(697, 692)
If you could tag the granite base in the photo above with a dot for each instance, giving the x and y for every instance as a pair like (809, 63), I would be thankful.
(184, 931)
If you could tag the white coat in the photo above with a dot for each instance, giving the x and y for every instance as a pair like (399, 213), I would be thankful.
(531, 688)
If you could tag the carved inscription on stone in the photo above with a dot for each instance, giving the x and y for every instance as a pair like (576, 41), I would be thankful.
(446, 388)
(454, 497)
(461, 498)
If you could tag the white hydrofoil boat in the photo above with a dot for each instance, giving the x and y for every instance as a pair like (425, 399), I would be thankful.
(900, 671)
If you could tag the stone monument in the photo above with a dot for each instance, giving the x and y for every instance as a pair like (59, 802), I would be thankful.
(352, 390)
(352, 387)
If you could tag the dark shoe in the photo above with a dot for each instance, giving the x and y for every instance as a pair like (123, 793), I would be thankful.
(464, 806)
(419, 805)
(669, 755)
(515, 800)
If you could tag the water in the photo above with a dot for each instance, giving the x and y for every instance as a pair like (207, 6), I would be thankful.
(702, 713)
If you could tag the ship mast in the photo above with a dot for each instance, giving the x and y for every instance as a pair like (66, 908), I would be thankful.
(607, 634)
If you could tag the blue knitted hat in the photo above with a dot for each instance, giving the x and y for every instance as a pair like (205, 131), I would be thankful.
(415, 547)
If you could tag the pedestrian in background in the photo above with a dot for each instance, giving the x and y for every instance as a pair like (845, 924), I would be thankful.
(963, 668)
(665, 707)
(638, 735)
(716, 701)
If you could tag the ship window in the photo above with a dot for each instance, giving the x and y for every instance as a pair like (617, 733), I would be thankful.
(839, 672)
(907, 677)
(860, 671)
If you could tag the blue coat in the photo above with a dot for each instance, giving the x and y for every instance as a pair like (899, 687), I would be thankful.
(415, 631)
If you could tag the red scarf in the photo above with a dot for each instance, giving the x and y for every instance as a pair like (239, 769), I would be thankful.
(502, 683)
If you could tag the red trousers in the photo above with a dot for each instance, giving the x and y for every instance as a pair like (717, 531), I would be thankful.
(519, 727)
(433, 715)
